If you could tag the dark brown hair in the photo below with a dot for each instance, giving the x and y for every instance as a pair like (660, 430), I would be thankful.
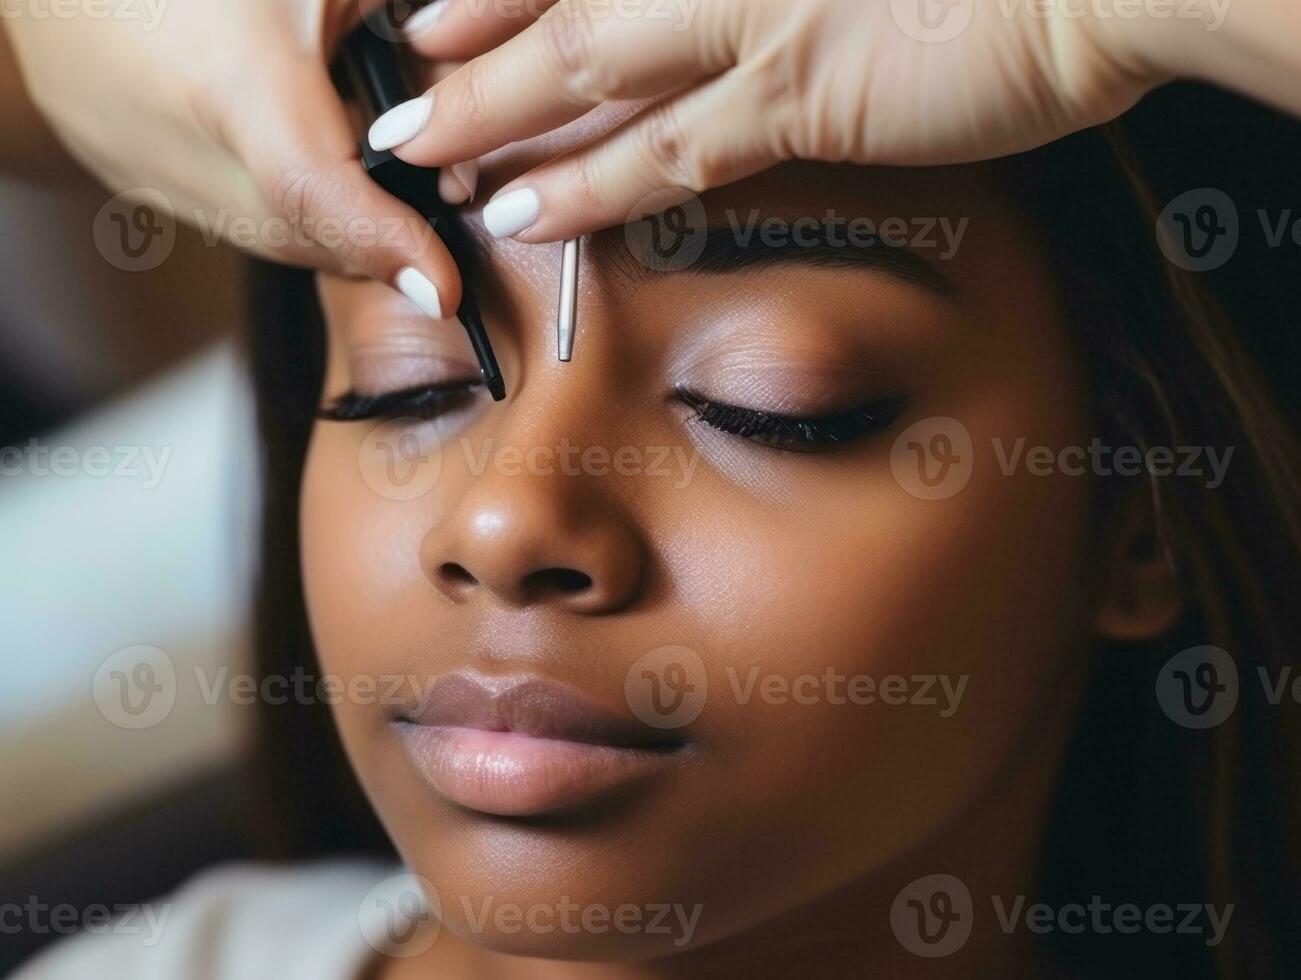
(1149, 811)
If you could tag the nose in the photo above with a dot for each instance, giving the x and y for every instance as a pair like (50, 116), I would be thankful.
(526, 540)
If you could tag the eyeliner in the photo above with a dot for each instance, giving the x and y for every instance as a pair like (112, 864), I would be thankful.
(376, 76)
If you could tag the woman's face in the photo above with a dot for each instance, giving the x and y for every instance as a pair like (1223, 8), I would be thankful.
(644, 660)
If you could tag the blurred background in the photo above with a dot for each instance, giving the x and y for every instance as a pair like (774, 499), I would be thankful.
(128, 490)
(127, 496)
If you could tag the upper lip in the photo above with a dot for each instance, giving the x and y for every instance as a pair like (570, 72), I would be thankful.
(533, 706)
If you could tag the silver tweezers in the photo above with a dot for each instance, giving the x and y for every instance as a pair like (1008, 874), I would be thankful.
(567, 310)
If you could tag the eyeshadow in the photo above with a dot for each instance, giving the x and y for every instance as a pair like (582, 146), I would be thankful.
(407, 361)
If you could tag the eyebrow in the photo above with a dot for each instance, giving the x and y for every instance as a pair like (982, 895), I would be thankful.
(724, 252)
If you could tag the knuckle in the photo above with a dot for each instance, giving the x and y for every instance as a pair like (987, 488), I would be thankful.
(669, 153)
(298, 191)
(469, 98)
(356, 257)
(586, 185)
(569, 46)
(314, 201)
(776, 92)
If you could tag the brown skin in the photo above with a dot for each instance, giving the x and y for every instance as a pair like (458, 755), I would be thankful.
(794, 825)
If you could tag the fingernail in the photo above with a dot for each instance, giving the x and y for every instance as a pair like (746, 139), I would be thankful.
(424, 20)
(401, 123)
(415, 286)
(468, 174)
(511, 213)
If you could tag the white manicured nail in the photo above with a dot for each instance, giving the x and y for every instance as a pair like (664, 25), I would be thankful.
(468, 174)
(511, 213)
(414, 285)
(424, 20)
(401, 123)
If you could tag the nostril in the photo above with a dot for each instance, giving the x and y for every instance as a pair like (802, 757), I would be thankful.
(557, 581)
(457, 576)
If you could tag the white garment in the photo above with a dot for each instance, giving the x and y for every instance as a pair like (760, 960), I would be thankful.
(236, 922)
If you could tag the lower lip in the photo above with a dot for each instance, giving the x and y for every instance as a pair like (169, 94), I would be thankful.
(512, 775)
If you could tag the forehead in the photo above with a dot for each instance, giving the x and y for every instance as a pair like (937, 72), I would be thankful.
(958, 219)
(928, 211)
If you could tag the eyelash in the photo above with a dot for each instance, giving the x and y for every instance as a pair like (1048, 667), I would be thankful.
(766, 428)
(793, 433)
(424, 401)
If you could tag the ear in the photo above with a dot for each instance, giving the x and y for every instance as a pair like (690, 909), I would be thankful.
(1138, 594)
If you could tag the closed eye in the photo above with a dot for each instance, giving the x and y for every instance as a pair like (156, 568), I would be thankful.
(422, 401)
(795, 433)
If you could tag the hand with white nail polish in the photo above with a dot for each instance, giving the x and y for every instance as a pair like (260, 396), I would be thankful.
(732, 87)
(227, 108)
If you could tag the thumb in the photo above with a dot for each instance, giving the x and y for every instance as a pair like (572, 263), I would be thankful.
(299, 147)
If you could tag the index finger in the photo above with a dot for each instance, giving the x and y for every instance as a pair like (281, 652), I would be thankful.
(458, 30)
(579, 55)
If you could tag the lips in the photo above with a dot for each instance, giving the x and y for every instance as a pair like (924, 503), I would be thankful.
(524, 746)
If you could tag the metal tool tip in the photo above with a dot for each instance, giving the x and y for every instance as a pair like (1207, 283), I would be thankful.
(567, 310)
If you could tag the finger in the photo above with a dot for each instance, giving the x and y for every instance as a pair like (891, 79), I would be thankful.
(301, 151)
(672, 151)
(572, 60)
(458, 183)
(462, 29)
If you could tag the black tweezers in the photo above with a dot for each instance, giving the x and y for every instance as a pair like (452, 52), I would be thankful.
(376, 76)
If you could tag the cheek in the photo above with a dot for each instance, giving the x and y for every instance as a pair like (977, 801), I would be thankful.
(360, 554)
(870, 646)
